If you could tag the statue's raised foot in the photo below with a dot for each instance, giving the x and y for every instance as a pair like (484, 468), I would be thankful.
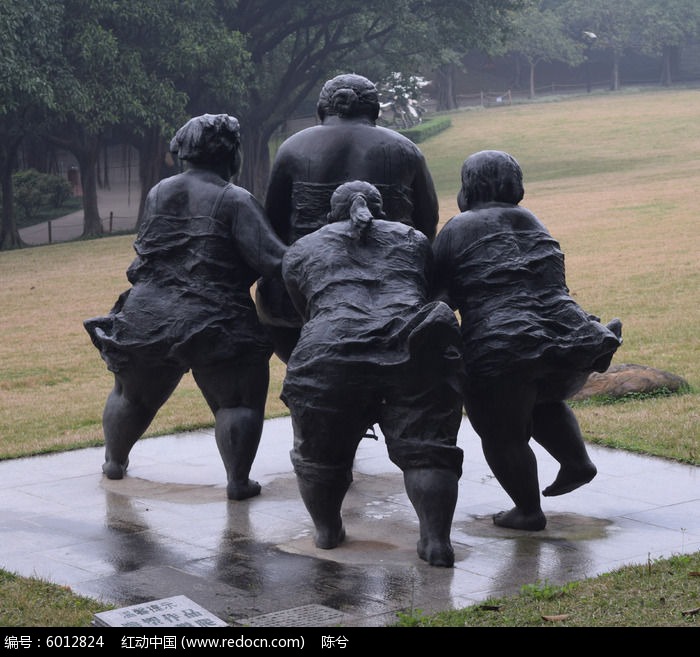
(569, 479)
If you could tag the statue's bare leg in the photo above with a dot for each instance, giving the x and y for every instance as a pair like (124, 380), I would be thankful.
(238, 432)
(433, 493)
(501, 417)
(325, 444)
(236, 393)
(129, 410)
(555, 428)
(323, 501)
(123, 423)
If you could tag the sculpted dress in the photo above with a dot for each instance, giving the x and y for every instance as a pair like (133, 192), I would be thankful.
(373, 348)
(505, 274)
(528, 346)
(190, 303)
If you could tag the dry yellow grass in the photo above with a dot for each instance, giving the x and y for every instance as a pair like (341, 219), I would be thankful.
(612, 176)
(52, 382)
(628, 220)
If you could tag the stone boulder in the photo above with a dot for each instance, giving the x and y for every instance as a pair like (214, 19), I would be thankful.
(624, 379)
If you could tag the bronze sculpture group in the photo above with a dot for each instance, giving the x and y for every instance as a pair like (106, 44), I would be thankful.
(358, 293)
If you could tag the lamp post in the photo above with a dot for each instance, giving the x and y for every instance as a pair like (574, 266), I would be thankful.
(589, 38)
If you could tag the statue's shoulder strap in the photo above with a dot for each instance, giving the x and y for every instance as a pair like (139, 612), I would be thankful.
(219, 199)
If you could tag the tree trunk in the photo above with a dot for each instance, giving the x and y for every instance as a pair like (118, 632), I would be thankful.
(517, 72)
(152, 150)
(444, 81)
(667, 66)
(615, 83)
(255, 170)
(87, 160)
(9, 234)
(103, 172)
(86, 149)
(532, 79)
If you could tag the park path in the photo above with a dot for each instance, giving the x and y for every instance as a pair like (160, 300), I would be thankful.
(118, 206)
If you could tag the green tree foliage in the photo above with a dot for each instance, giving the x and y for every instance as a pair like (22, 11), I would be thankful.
(538, 34)
(296, 47)
(191, 64)
(28, 38)
(665, 27)
(86, 73)
(103, 85)
(134, 70)
(616, 25)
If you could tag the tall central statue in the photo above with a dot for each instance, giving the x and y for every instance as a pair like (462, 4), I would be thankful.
(311, 164)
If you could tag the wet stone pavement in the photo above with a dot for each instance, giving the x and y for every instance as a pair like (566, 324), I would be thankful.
(167, 530)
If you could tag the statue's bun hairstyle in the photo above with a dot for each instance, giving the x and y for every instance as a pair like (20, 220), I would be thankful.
(348, 95)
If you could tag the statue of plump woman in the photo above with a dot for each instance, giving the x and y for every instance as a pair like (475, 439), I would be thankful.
(347, 145)
(202, 243)
(528, 346)
(374, 349)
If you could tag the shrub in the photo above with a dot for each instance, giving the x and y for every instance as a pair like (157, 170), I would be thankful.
(58, 189)
(35, 191)
(426, 129)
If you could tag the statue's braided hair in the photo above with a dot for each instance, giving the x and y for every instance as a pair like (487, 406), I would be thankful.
(359, 202)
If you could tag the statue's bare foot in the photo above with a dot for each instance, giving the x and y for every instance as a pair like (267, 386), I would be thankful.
(569, 479)
(236, 491)
(327, 539)
(615, 326)
(516, 519)
(114, 469)
(436, 553)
